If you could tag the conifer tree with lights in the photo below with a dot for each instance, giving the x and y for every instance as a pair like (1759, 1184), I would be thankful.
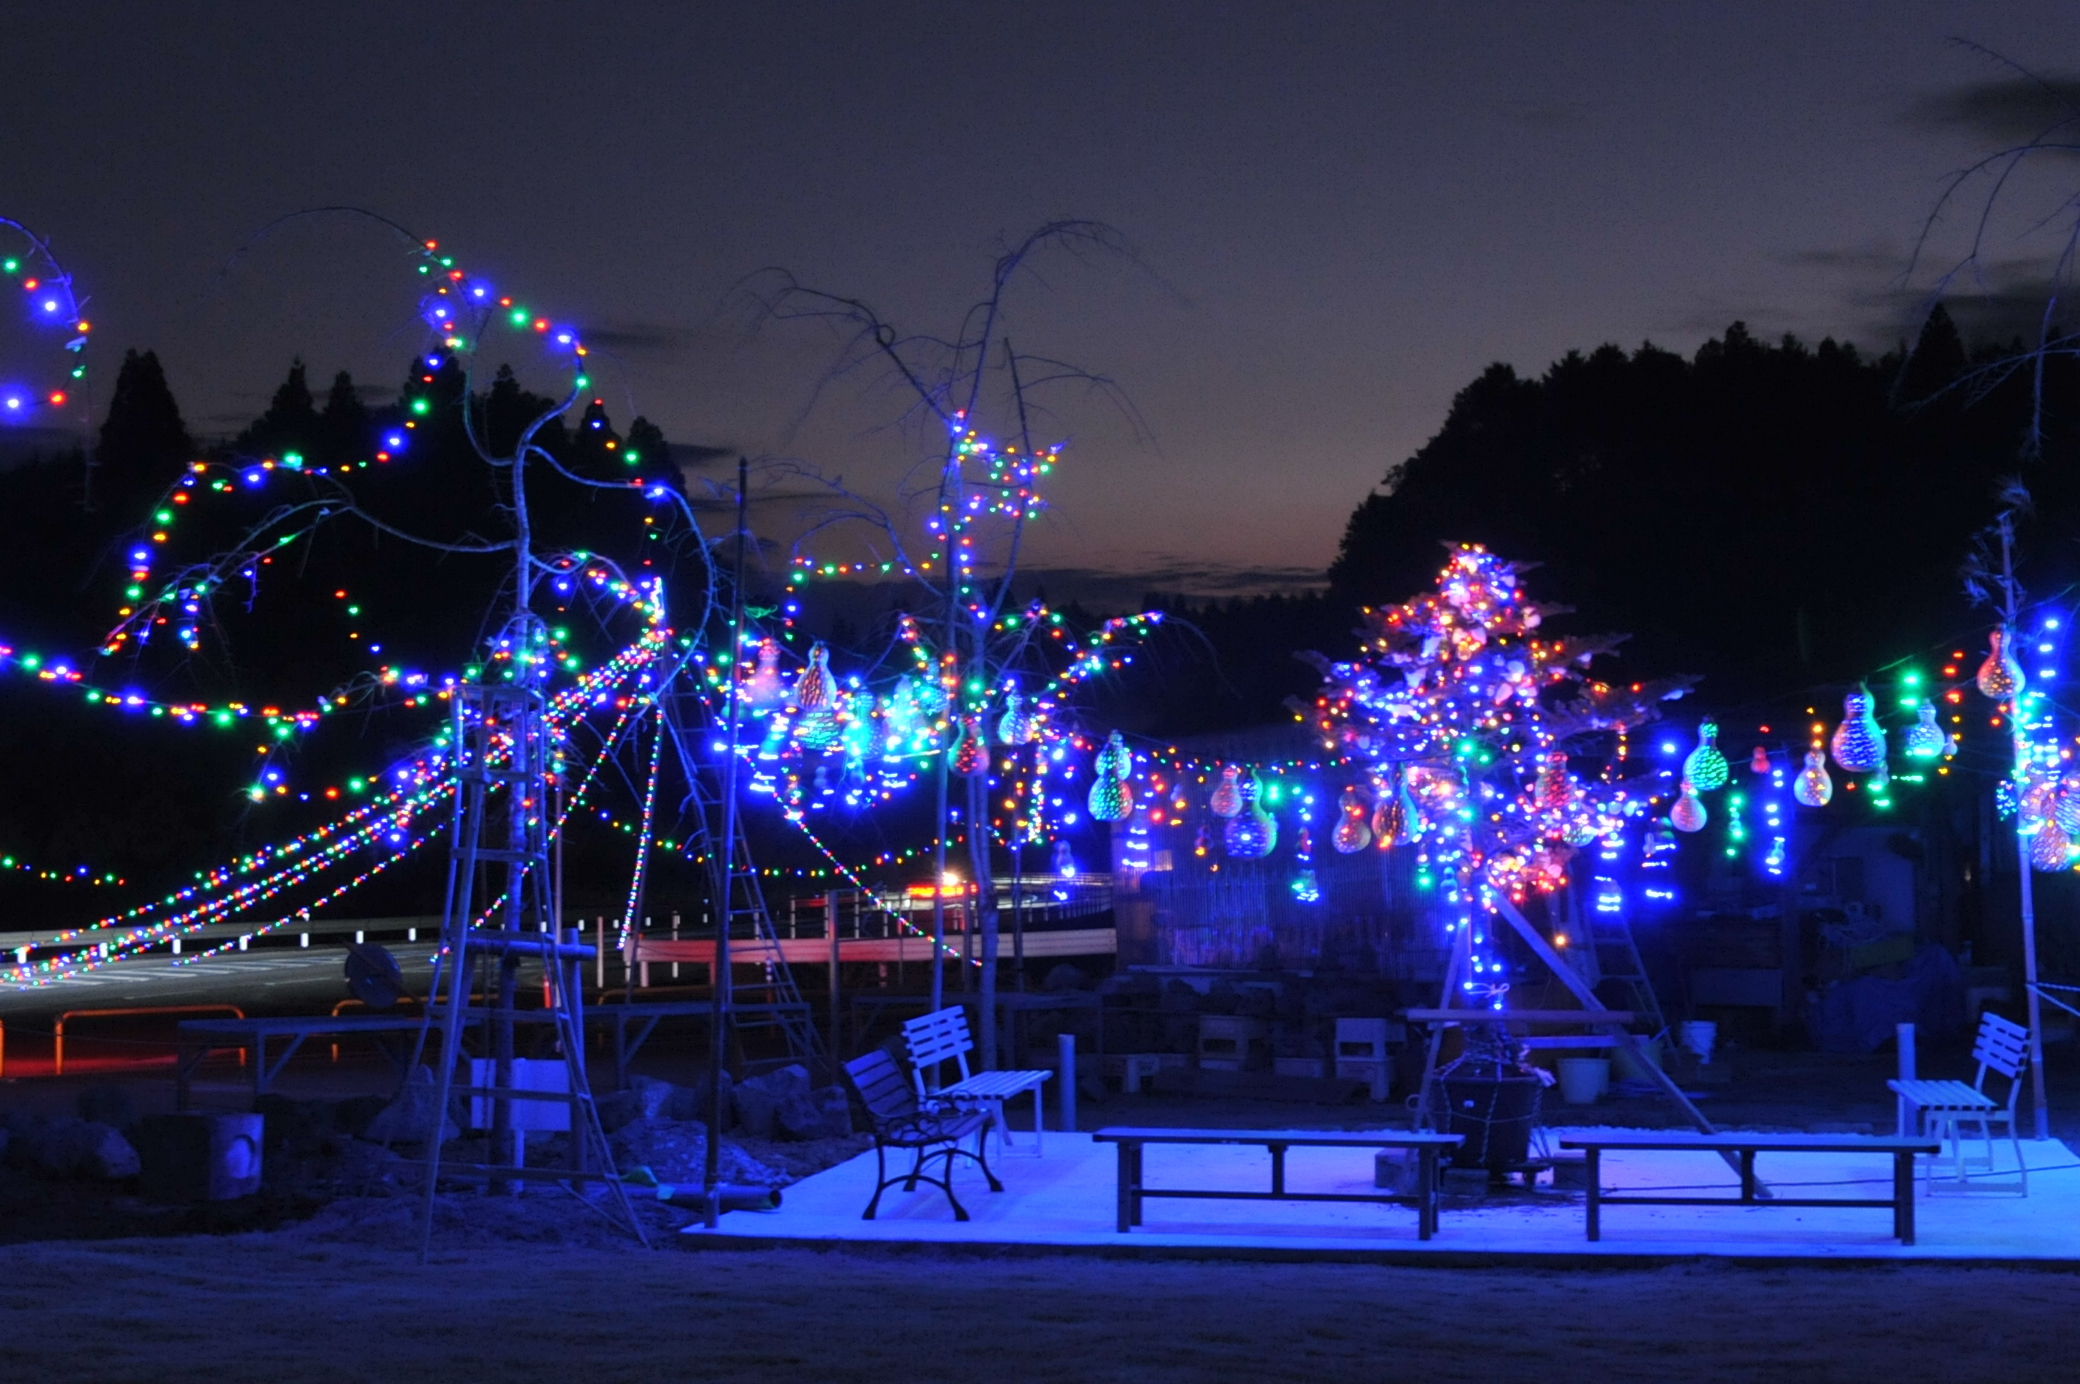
(1504, 755)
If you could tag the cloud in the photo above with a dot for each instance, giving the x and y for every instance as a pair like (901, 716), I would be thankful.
(640, 338)
(1121, 588)
(2013, 109)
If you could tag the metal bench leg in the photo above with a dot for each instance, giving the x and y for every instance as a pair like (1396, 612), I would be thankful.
(1426, 1189)
(1125, 1210)
(1595, 1193)
(1903, 1197)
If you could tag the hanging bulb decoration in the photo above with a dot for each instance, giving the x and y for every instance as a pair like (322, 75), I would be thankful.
(2050, 849)
(2000, 676)
(775, 737)
(2065, 809)
(1202, 841)
(1553, 790)
(1252, 833)
(1227, 794)
(763, 688)
(1758, 762)
(1017, 726)
(1111, 797)
(1306, 887)
(1397, 821)
(971, 752)
(1353, 833)
(1661, 840)
(1705, 768)
(1814, 788)
(1688, 814)
(1064, 858)
(817, 697)
(1859, 741)
(1924, 739)
(1880, 779)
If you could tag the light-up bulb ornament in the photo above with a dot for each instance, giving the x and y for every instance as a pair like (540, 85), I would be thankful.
(1398, 820)
(1306, 886)
(1660, 841)
(1687, 814)
(1111, 796)
(1814, 788)
(1924, 739)
(1227, 794)
(2050, 849)
(2065, 808)
(1758, 762)
(971, 755)
(1252, 833)
(1553, 790)
(1064, 858)
(1859, 741)
(2000, 676)
(815, 695)
(1353, 833)
(763, 689)
(1017, 726)
(1705, 768)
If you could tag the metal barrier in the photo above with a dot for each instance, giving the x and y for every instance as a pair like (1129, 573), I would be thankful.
(58, 1031)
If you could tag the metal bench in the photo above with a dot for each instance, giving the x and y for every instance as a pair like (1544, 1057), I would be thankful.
(929, 1129)
(1745, 1147)
(942, 1036)
(1133, 1188)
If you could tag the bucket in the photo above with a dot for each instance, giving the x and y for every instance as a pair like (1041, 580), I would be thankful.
(1494, 1109)
(1583, 1079)
(1698, 1036)
(1627, 1067)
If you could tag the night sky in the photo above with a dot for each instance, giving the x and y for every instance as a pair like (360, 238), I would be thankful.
(1339, 213)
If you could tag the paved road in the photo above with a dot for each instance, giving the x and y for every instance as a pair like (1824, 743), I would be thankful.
(270, 980)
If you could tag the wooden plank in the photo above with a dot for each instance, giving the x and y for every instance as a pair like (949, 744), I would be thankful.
(1297, 1138)
(1677, 1141)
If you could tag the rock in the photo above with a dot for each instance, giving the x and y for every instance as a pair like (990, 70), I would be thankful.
(81, 1148)
(109, 1105)
(654, 1098)
(354, 1114)
(824, 1113)
(406, 1119)
(758, 1100)
(618, 1109)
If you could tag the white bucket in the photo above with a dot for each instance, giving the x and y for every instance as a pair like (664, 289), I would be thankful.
(1698, 1036)
(1583, 1079)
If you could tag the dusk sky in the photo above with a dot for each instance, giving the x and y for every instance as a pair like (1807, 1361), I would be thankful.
(1339, 213)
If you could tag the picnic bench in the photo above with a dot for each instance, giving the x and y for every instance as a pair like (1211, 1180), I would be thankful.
(1133, 1188)
(942, 1036)
(1745, 1147)
(924, 1127)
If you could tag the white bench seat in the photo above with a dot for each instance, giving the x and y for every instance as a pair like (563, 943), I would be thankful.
(942, 1036)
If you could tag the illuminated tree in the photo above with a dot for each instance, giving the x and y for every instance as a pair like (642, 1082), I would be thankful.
(1486, 742)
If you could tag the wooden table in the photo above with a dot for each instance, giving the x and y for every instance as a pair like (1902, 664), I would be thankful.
(1133, 1189)
(1745, 1147)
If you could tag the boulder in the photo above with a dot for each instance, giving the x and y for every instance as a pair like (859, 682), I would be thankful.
(824, 1113)
(618, 1109)
(1065, 977)
(759, 1098)
(75, 1148)
(406, 1119)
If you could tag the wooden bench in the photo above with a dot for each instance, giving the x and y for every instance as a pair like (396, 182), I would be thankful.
(924, 1128)
(942, 1036)
(1133, 1188)
(1745, 1147)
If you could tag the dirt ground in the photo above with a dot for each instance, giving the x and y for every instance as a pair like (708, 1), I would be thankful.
(99, 1287)
(313, 1304)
